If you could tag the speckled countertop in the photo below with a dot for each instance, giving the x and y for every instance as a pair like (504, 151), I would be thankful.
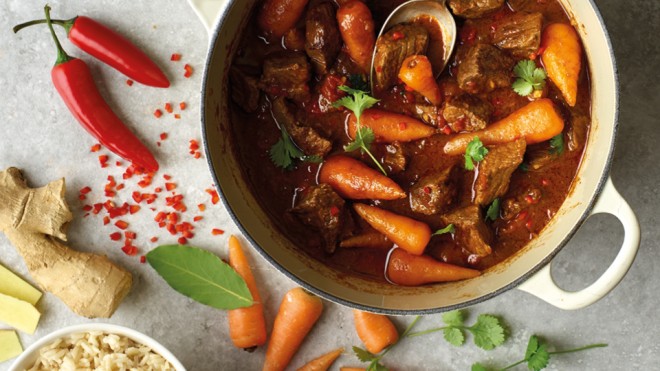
(39, 135)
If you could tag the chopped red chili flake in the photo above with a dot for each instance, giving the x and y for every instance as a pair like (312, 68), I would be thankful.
(130, 250)
(197, 155)
(182, 240)
(143, 259)
(160, 216)
(97, 208)
(334, 210)
(130, 235)
(170, 186)
(110, 194)
(397, 35)
(167, 177)
(177, 116)
(217, 232)
(163, 136)
(158, 113)
(87, 208)
(172, 218)
(120, 187)
(201, 207)
(188, 69)
(153, 239)
(188, 234)
(194, 145)
(115, 236)
(95, 148)
(427, 190)
(180, 206)
(182, 106)
(175, 57)
(158, 189)
(198, 218)
(214, 195)
(103, 160)
(118, 163)
(446, 130)
(121, 224)
(82, 197)
(129, 82)
(106, 220)
(134, 209)
(168, 107)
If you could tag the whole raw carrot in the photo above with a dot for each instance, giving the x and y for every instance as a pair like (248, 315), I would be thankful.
(247, 327)
(389, 127)
(417, 73)
(357, 29)
(323, 362)
(537, 122)
(411, 270)
(376, 331)
(372, 240)
(562, 58)
(276, 17)
(353, 179)
(298, 313)
(407, 233)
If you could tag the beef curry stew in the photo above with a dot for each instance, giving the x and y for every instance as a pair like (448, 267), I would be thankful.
(455, 173)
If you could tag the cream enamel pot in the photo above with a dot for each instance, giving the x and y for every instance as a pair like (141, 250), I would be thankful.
(528, 270)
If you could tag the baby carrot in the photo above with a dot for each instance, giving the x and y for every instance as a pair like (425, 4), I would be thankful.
(409, 234)
(323, 362)
(562, 58)
(376, 331)
(417, 73)
(537, 122)
(373, 240)
(389, 126)
(353, 179)
(247, 327)
(410, 270)
(298, 313)
(276, 17)
(357, 29)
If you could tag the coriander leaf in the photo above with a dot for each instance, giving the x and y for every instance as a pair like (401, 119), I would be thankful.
(376, 366)
(537, 355)
(488, 333)
(357, 101)
(522, 87)
(448, 229)
(493, 210)
(539, 77)
(454, 336)
(474, 152)
(363, 355)
(557, 144)
(478, 367)
(453, 318)
(285, 151)
(201, 276)
(529, 77)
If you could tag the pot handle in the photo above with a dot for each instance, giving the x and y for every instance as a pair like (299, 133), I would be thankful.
(543, 286)
(208, 11)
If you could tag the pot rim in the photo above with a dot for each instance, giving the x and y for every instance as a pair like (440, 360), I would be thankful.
(213, 39)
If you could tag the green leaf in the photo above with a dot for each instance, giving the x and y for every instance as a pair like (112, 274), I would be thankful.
(493, 210)
(448, 229)
(474, 152)
(478, 367)
(376, 366)
(488, 333)
(522, 87)
(201, 276)
(285, 151)
(357, 100)
(530, 78)
(454, 336)
(363, 355)
(536, 355)
(453, 318)
(557, 144)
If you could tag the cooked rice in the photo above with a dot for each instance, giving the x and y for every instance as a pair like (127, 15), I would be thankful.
(96, 350)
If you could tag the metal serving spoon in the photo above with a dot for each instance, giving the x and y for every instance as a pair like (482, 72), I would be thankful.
(414, 10)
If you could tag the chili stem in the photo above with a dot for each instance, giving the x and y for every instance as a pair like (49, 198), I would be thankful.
(62, 57)
(66, 23)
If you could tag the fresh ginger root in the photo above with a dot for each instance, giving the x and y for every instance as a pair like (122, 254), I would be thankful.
(34, 220)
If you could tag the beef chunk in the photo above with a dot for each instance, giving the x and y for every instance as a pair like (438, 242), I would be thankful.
(578, 131)
(417, 107)
(324, 210)
(398, 43)
(433, 193)
(495, 171)
(391, 156)
(483, 69)
(345, 66)
(474, 8)
(286, 73)
(308, 139)
(467, 113)
(472, 233)
(244, 89)
(519, 5)
(520, 34)
(323, 40)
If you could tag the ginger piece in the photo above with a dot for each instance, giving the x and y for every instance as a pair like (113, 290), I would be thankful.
(33, 220)
(18, 314)
(10, 347)
(13, 285)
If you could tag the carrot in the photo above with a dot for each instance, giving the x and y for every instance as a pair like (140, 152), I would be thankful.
(417, 73)
(390, 127)
(562, 58)
(357, 29)
(537, 122)
(409, 234)
(276, 17)
(410, 270)
(353, 179)
(298, 313)
(373, 240)
(247, 327)
(323, 362)
(376, 331)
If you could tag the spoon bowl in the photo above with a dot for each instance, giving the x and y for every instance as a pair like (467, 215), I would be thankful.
(435, 16)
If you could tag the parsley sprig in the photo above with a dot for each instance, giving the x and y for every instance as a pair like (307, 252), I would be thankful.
(557, 144)
(488, 332)
(537, 355)
(357, 101)
(493, 210)
(529, 78)
(448, 229)
(474, 152)
(285, 151)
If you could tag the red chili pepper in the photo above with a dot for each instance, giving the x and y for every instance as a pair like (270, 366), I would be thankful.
(73, 80)
(110, 47)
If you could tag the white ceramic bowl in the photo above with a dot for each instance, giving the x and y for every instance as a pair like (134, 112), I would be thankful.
(29, 356)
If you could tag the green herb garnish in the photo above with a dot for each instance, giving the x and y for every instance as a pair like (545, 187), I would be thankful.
(448, 229)
(285, 151)
(474, 152)
(487, 331)
(201, 276)
(493, 211)
(529, 78)
(357, 101)
(537, 355)
(557, 144)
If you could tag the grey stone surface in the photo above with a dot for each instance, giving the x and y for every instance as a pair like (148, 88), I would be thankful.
(39, 135)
